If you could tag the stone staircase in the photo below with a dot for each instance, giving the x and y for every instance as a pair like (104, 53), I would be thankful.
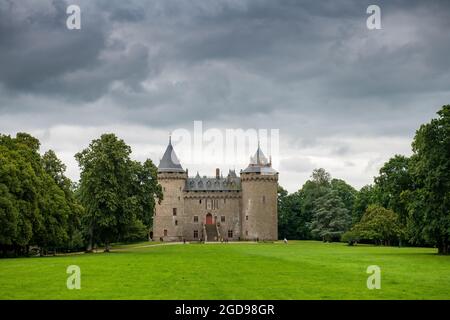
(211, 233)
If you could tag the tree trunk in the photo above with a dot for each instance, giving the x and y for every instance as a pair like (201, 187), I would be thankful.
(443, 248)
(91, 236)
(106, 246)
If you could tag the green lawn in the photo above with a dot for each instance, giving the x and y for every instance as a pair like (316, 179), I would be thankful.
(299, 270)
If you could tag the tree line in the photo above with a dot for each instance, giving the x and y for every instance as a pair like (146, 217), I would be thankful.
(42, 211)
(408, 202)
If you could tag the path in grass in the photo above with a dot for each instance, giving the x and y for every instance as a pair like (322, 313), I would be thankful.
(300, 270)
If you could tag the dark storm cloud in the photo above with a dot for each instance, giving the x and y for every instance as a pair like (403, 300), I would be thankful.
(310, 68)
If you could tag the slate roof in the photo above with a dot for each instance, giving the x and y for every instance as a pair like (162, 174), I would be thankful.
(260, 164)
(169, 161)
(229, 183)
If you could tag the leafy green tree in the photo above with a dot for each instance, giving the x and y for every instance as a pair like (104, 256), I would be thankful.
(428, 204)
(106, 177)
(19, 189)
(56, 169)
(378, 224)
(32, 205)
(146, 190)
(292, 221)
(394, 178)
(313, 189)
(116, 192)
(331, 218)
(9, 217)
(345, 191)
(368, 195)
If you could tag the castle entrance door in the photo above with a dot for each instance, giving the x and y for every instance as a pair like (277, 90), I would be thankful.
(209, 219)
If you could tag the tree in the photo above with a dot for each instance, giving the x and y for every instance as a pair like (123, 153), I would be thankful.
(118, 194)
(345, 191)
(394, 178)
(56, 169)
(33, 207)
(331, 219)
(428, 204)
(105, 181)
(146, 190)
(368, 195)
(292, 221)
(377, 224)
(312, 190)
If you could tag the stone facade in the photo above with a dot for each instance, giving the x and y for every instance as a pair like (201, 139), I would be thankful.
(216, 208)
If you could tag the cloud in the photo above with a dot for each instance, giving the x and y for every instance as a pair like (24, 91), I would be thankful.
(343, 97)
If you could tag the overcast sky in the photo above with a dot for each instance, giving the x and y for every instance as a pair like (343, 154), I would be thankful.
(343, 97)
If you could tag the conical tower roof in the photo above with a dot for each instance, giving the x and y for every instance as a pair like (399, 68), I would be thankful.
(169, 161)
(259, 164)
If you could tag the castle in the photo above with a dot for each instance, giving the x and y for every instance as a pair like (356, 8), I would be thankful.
(216, 208)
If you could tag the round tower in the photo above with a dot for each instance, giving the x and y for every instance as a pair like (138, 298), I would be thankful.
(169, 214)
(259, 183)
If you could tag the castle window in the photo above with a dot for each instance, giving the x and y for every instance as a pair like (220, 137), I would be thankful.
(174, 211)
(246, 218)
(230, 233)
(246, 232)
(195, 234)
(195, 218)
(224, 200)
(179, 198)
(165, 233)
(222, 219)
(263, 199)
(176, 222)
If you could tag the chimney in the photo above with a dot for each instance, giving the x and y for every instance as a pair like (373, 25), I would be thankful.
(217, 173)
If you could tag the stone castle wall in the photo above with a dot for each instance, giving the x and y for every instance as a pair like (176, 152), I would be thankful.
(259, 206)
(164, 218)
(250, 213)
(221, 205)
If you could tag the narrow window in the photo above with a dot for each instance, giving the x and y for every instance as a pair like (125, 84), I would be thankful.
(176, 222)
(200, 201)
(195, 234)
(174, 211)
(246, 218)
(230, 233)
(263, 199)
(222, 219)
(165, 233)
(246, 232)
(195, 218)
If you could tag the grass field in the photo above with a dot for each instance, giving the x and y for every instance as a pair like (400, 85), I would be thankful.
(299, 270)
